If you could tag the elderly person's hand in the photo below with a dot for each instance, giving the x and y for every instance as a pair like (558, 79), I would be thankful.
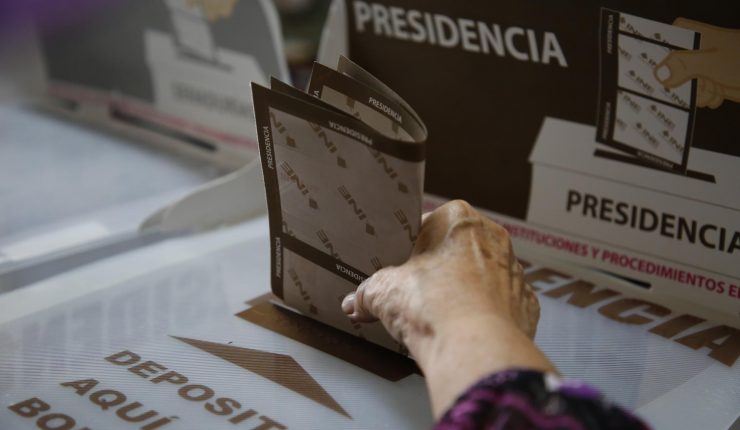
(461, 306)
(460, 303)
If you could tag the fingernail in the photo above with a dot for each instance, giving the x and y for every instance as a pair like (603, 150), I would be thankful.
(348, 304)
(663, 73)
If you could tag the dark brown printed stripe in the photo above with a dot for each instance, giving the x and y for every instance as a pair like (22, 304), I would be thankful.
(385, 144)
(380, 361)
(323, 76)
(319, 113)
(324, 260)
(654, 99)
(692, 113)
(360, 92)
(289, 90)
(650, 40)
(608, 57)
(346, 66)
(260, 96)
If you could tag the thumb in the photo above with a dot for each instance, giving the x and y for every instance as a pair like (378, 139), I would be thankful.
(358, 305)
(681, 66)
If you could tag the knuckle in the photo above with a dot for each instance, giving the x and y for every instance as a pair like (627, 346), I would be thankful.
(458, 208)
(519, 273)
(378, 282)
(496, 229)
(499, 230)
(535, 309)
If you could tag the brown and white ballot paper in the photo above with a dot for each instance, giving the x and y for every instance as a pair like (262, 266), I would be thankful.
(344, 175)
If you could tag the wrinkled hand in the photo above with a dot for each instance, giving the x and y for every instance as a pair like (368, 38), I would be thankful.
(462, 266)
(460, 303)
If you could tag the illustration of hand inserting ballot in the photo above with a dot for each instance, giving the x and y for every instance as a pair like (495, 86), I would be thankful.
(715, 65)
(653, 78)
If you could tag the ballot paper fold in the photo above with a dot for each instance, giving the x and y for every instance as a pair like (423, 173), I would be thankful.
(344, 168)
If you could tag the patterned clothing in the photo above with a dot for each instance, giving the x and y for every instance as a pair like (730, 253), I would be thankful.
(525, 399)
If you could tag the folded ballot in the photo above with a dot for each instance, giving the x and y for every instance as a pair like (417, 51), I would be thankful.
(344, 174)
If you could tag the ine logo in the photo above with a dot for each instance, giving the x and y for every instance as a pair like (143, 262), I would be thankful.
(389, 170)
(670, 140)
(640, 82)
(327, 243)
(297, 282)
(645, 58)
(304, 294)
(675, 98)
(369, 229)
(628, 27)
(628, 101)
(330, 146)
(646, 135)
(624, 53)
(276, 123)
(621, 124)
(401, 217)
(302, 187)
(662, 117)
(375, 261)
(280, 127)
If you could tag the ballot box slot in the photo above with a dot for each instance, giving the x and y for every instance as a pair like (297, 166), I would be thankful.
(633, 281)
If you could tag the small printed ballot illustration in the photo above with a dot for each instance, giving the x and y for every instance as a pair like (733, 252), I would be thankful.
(343, 172)
(638, 113)
(653, 78)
